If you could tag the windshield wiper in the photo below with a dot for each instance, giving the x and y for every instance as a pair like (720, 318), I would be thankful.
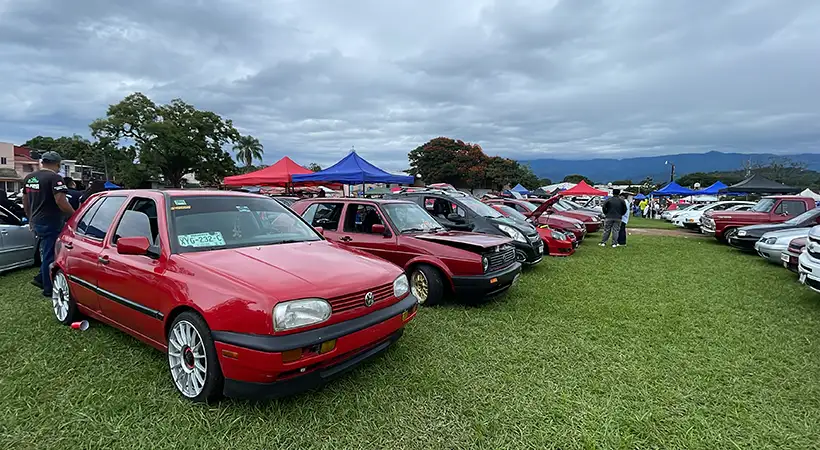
(413, 230)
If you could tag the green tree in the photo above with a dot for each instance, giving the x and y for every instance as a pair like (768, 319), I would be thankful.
(575, 178)
(170, 140)
(445, 160)
(623, 182)
(313, 167)
(247, 149)
(544, 182)
(73, 147)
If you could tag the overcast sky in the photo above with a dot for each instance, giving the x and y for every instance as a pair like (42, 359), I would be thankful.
(525, 79)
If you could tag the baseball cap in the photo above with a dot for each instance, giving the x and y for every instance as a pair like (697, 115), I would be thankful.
(51, 157)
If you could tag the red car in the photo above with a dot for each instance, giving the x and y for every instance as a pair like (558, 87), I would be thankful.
(544, 215)
(725, 225)
(556, 243)
(469, 265)
(592, 220)
(244, 297)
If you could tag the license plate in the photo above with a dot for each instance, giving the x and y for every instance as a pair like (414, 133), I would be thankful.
(802, 278)
(540, 250)
(784, 258)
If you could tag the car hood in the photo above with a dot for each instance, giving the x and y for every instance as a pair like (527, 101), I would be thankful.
(543, 207)
(788, 233)
(299, 270)
(759, 230)
(477, 240)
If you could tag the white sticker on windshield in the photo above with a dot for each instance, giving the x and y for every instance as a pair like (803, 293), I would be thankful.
(213, 239)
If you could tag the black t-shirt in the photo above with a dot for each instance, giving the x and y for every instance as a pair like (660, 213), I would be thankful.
(40, 187)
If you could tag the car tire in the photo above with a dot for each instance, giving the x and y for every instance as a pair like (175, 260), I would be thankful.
(426, 285)
(62, 303)
(728, 234)
(192, 360)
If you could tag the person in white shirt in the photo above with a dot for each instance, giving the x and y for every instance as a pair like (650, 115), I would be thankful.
(624, 220)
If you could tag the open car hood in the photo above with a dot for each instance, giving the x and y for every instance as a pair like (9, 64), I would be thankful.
(543, 207)
(478, 240)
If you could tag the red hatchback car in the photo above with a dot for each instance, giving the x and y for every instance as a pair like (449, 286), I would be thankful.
(473, 266)
(543, 215)
(556, 243)
(244, 297)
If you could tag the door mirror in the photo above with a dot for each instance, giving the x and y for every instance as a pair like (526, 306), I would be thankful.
(378, 228)
(817, 220)
(134, 245)
(455, 218)
(320, 230)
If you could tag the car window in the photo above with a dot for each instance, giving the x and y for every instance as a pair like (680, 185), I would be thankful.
(101, 222)
(790, 207)
(438, 207)
(325, 215)
(763, 205)
(88, 215)
(809, 216)
(139, 219)
(360, 218)
(7, 218)
(201, 223)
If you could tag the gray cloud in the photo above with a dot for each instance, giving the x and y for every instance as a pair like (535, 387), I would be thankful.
(525, 79)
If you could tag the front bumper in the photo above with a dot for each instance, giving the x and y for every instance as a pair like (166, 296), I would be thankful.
(809, 270)
(747, 244)
(771, 252)
(708, 230)
(560, 248)
(790, 260)
(529, 254)
(487, 285)
(695, 226)
(592, 227)
(254, 365)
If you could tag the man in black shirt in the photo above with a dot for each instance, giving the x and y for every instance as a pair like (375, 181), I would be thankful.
(614, 209)
(44, 198)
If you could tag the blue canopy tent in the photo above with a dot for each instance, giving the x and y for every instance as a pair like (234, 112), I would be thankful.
(713, 189)
(520, 189)
(672, 189)
(353, 169)
(640, 197)
(110, 185)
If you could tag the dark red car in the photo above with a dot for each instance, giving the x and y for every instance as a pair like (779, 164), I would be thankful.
(725, 225)
(543, 215)
(469, 265)
(556, 243)
(242, 295)
(592, 220)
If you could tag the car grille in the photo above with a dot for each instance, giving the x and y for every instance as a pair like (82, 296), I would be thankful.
(355, 300)
(813, 246)
(796, 248)
(500, 259)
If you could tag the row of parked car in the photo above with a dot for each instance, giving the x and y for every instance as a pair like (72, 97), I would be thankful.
(254, 297)
(785, 230)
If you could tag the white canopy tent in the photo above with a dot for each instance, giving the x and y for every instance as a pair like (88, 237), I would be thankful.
(812, 194)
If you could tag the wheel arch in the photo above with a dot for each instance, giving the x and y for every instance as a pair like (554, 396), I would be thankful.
(176, 311)
(434, 263)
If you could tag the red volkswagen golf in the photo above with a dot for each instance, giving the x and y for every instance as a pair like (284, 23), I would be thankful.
(243, 296)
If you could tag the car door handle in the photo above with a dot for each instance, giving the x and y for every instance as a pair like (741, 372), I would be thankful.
(68, 245)
(103, 259)
(345, 238)
(4, 232)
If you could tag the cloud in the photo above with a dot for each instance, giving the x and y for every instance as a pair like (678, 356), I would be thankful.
(525, 79)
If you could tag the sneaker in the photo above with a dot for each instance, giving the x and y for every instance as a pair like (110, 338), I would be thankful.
(615, 245)
(602, 244)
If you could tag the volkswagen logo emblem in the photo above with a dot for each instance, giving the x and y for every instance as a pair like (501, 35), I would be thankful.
(368, 299)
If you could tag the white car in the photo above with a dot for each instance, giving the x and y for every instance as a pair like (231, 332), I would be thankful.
(691, 219)
(772, 244)
(809, 266)
(670, 216)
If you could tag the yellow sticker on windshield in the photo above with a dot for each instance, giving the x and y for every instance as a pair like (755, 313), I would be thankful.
(175, 208)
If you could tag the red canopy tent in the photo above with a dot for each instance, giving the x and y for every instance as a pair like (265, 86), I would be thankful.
(582, 188)
(279, 174)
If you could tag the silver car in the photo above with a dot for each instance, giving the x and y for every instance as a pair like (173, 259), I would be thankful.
(17, 244)
(772, 244)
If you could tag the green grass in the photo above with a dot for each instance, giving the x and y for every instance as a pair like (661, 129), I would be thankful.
(640, 222)
(667, 343)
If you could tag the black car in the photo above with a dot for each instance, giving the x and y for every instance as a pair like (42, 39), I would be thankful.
(746, 237)
(459, 211)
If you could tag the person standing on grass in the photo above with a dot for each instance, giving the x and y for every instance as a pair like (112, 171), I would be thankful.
(45, 202)
(614, 209)
(624, 221)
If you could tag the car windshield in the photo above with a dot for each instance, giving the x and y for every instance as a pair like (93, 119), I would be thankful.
(764, 205)
(410, 217)
(528, 206)
(511, 212)
(807, 216)
(568, 204)
(201, 223)
(479, 208)
(559, 207)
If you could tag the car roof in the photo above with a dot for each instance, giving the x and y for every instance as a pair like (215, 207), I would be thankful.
(789, 197)
(380, 201)
(181, 192)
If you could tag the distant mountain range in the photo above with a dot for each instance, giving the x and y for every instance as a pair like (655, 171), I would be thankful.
(636, 169)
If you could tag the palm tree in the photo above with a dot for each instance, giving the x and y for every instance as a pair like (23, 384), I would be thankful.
(247, 149)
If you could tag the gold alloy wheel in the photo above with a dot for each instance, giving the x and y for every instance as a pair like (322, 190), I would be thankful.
(419, 286)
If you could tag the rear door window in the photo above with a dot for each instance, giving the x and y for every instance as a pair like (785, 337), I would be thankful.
(325, 215)
(101, 222)
(360, 218)
(791, 207)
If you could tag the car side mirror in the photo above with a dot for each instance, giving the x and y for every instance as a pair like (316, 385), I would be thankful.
(320, 230)
(455, 218)
(133, 245)
(817, 220)
(378, 228)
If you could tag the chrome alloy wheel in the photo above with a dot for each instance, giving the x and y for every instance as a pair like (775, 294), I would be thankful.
(419, 286)
(186, 356)
(59, 296)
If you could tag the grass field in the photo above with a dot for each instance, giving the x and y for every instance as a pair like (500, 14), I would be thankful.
(640, 222)
(667, 343)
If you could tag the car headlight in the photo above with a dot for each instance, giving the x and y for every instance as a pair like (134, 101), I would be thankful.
(513, 233)
(558, 236)
(485, 263)
(771, 240)
(400, 286)
(579, 225)
(741, 233)
(300, 313)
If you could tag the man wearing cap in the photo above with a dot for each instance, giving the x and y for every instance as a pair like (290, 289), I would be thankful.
(44, 198)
